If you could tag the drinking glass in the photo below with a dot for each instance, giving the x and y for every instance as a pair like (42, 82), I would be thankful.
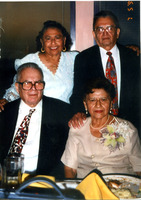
(12, 171)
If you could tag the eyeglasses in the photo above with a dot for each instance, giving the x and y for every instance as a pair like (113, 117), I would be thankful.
(27, 85)
(108, 29)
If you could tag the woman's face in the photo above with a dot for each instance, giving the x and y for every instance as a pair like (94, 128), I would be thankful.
(53, 41)
(98, 103)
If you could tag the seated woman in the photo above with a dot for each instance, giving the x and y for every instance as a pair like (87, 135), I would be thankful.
(105, 142)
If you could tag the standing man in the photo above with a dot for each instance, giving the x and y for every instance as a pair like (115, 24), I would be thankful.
(42, 141)
(92, 63)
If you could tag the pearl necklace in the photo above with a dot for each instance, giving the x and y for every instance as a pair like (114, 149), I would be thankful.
(100, 126)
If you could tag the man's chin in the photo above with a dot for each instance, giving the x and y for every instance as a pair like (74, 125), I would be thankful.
(107, 46)
(32, 103)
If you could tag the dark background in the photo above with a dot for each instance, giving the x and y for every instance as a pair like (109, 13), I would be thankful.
(128, 14)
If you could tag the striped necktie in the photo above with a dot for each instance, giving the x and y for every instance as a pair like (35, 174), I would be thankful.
(21, 134)
(112, 77)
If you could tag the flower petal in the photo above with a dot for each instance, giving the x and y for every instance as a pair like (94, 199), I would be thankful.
(110, 129)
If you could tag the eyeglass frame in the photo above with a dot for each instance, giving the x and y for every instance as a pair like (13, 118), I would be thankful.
(103, 29)
(33, 84)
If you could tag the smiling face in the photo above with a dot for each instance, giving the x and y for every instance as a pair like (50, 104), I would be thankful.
(106, 39)
(53, 41)
(33, 96)
(98, 103)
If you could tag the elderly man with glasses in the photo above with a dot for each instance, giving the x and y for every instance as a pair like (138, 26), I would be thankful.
(95, 61)
(34, 125)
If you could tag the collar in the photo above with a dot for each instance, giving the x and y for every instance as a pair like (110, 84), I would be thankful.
(24, 108)
(114, 51)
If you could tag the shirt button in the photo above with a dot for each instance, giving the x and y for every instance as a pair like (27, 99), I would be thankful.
(92, 156)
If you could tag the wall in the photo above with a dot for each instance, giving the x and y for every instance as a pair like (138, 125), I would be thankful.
(84, 21)
(22, 21)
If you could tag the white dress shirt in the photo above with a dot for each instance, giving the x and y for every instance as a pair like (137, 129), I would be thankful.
(31, 148)
(116, 57)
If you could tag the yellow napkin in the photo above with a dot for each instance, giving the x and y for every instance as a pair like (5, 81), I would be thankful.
(93, 187)
(38, 184)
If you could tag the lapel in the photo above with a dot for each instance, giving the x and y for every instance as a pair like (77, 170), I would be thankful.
(48, 126)
(9, 117)
(124, 73)
(97, 61)
(44, 144)
(53, 135)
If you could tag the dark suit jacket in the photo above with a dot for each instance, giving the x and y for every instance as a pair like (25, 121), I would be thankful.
(54, 132)
(88, 65)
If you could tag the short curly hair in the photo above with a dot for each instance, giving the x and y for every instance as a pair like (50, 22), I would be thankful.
(99, 83)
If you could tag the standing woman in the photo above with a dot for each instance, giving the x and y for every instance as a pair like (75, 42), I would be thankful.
(55, 60)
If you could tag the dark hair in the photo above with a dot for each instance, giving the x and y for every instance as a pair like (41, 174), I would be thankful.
(104, 14)
(54, 24)
(28, 65)
(99, 83)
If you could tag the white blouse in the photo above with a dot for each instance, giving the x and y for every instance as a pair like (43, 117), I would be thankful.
(58, 85)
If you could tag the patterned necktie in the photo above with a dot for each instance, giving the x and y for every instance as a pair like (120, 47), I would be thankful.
(21, 135)
(112, 77)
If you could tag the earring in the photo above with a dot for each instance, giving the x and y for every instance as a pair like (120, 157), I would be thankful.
(64, 49)
(86, 111)
(110, 110)
(42, 50)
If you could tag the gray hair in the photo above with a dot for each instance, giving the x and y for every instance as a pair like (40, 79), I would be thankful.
(106, 13)
(28, 65)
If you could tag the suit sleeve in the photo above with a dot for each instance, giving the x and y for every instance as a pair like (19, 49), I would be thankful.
(130, 87)
(76, 99)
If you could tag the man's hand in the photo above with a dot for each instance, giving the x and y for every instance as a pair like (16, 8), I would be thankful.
(134, 48)
(2, 103)
(77, 120)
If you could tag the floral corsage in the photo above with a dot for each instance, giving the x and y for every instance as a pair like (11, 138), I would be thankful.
(114, 135)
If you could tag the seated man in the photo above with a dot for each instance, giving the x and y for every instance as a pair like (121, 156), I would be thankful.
(47, 130)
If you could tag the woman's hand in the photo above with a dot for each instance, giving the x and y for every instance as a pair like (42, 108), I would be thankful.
(77, 120)
(70, 172)
(2, 103)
